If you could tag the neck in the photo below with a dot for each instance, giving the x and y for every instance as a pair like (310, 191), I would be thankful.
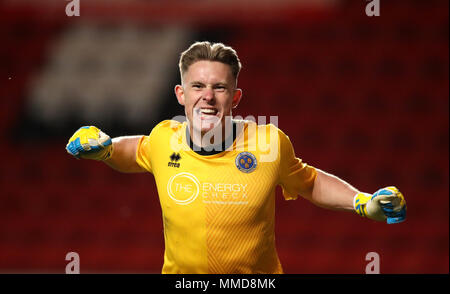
(213, 141)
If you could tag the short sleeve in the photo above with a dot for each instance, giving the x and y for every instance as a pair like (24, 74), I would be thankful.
(143, 154)
(296, 177)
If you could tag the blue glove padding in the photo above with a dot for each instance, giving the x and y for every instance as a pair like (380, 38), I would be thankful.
(387, 204)
(394, 213)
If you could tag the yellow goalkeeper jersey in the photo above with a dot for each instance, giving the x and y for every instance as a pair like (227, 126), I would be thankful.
(219, 210)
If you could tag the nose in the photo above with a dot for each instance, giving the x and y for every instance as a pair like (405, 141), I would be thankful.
(208, 94)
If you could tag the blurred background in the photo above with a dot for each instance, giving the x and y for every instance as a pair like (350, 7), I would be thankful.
(364, 98)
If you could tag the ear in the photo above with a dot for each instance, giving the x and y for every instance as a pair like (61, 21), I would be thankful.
(179, 92)
(237, 97)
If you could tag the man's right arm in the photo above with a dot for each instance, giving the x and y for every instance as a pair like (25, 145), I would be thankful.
(123, 157)
(89, 142)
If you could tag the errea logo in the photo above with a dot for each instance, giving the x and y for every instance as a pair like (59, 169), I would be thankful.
(174, 158)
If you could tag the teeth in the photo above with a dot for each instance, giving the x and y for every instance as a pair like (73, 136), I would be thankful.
(208, 111)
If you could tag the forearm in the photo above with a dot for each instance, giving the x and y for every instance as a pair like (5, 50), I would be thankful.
(331, 192)
(123, 157)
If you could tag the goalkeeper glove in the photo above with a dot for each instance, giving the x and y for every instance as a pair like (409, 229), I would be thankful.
(90, 143)
(387, 204)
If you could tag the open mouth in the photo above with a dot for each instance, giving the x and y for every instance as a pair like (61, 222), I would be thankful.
(206, 113)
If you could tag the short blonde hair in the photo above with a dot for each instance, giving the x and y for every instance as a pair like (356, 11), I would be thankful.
(212, 52)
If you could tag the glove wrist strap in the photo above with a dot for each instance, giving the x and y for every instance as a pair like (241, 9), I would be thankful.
(108, 153)
(359, 203)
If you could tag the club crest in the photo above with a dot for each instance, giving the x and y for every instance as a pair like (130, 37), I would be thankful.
(246, 162)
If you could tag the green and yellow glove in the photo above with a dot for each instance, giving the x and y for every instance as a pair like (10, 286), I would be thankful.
(387, 204)
(90, 143)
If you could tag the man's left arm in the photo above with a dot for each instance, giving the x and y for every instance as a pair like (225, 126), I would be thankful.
(387, 204)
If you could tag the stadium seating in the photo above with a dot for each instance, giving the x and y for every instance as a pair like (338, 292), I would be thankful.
(364, 99)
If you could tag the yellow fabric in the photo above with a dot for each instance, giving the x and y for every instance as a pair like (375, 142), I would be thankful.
(217, 218)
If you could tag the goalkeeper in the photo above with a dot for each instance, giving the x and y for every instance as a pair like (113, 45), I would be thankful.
(216, 187)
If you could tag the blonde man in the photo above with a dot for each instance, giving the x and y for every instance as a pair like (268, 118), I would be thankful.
(216, 176)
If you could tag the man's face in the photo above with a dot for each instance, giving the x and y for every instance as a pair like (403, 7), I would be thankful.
(208, 93)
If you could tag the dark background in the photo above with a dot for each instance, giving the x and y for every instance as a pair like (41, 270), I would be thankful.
(364, 98)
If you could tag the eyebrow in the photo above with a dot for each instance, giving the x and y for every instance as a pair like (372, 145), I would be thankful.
(214, 85)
